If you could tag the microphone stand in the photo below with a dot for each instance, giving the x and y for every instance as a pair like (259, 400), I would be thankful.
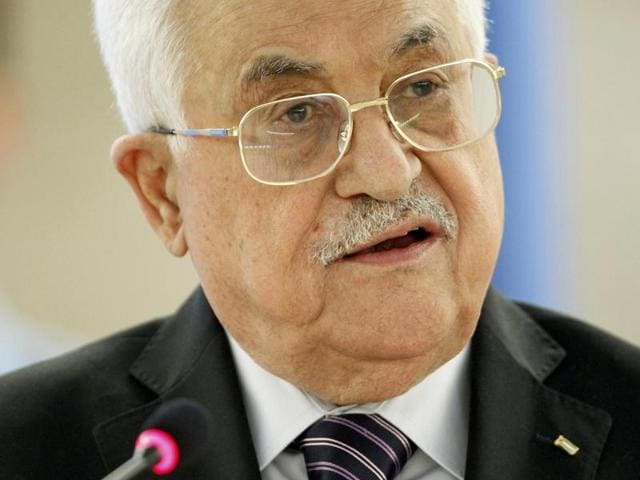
(140, 462)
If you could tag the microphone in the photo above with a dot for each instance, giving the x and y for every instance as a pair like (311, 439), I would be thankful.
(174, 435)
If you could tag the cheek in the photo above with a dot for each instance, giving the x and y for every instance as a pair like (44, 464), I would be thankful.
(482, 202)
(249, 244)
(472, 182)
(275, 261)
(208, 223)
(482, 213)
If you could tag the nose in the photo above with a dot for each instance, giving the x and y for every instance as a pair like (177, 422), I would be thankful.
(377, 163)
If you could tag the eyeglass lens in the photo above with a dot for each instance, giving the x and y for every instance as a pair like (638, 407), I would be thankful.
(437, 109)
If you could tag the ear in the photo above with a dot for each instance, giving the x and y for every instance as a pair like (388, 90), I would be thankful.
(146, 162)
(491, 58)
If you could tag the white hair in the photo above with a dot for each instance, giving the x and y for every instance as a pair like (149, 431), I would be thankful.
(143, 48)
(472, 13)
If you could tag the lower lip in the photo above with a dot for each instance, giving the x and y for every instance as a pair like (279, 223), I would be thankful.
(395, 256)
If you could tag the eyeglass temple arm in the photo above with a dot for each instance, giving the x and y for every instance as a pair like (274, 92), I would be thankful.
(191, 132)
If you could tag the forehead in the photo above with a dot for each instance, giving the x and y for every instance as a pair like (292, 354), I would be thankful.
(349, 37)
(232, 26)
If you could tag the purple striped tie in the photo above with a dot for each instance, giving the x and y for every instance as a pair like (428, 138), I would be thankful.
(354, 447)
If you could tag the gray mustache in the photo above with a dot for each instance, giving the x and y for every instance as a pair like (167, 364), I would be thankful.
(369, 217)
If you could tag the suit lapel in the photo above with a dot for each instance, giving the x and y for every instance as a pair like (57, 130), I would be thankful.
(515, 418)
(514, 421)
(189, 357)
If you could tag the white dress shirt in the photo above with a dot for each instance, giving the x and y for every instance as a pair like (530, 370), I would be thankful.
(434, 414)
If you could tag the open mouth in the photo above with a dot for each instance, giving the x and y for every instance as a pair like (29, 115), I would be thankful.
(412, 237)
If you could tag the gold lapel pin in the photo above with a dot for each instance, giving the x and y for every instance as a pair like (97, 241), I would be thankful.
(567, 445)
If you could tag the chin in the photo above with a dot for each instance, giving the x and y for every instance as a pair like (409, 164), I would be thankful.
(394, 332)
(408, 344)
(376, 385)
(375, 378)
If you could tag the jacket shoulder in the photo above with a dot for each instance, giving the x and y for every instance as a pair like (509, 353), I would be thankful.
(57, 402)
(587, 345)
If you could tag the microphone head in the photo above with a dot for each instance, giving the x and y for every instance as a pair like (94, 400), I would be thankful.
(187, 424)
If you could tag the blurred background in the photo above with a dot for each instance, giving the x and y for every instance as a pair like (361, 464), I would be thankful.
(77, 260)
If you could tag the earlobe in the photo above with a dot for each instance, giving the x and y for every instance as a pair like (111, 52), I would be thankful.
(178, 245)
(146, 163)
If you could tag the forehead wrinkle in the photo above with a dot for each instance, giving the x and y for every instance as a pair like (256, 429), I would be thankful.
(267, 66)
(269, 26)
(421, 36)
(357, 12)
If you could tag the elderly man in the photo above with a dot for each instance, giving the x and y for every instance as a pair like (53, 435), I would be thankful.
(331, 169)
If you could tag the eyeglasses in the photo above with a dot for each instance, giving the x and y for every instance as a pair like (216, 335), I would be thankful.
(299, 139)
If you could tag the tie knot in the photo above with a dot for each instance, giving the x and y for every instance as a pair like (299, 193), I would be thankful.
(354, 447)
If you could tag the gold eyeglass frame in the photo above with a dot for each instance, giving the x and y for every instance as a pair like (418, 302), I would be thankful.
(497, 72)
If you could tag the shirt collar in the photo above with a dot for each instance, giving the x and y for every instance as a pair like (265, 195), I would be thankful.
(434, 413)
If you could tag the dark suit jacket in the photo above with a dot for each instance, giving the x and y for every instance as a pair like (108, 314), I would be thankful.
(535, 375)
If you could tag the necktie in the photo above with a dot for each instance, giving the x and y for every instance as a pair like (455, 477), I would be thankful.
(354, 447)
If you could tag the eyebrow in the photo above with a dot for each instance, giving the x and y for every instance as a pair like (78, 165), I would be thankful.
(268, 66)
(421, 36)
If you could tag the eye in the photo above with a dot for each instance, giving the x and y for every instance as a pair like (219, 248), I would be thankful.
(299, 113)
(296, 115)
(422, 88)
